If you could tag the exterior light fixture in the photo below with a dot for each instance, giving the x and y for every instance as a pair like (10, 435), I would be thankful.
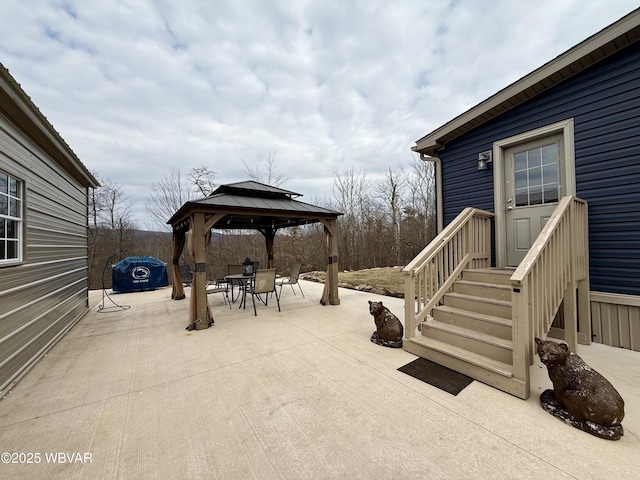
(484, 158)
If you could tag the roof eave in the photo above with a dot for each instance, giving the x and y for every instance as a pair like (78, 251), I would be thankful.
(191, 207)
(19, 106)
(592, 50)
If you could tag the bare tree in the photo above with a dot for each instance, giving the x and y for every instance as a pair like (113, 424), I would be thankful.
(167, 195)
(111, 229)
(202, 178)
(350, 190)
(268, 174)
(391, 189)
(420, 209)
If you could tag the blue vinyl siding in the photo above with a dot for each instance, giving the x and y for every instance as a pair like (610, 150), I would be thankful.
(604, 102)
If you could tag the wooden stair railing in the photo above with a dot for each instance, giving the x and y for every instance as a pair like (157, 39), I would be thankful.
(464, 243)
(556, 266)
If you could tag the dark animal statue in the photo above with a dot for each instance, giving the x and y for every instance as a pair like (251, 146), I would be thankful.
(581, 397)
(389, 330)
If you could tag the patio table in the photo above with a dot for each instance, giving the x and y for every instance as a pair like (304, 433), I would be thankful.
(241, 280)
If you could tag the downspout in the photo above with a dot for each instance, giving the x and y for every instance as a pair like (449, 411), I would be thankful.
(438, 164)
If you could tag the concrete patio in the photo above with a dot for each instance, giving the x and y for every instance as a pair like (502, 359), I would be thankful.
(299, 394)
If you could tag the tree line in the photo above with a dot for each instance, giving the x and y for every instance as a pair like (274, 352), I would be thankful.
(386, 221)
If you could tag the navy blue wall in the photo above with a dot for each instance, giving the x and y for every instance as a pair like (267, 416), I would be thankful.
(604, 102)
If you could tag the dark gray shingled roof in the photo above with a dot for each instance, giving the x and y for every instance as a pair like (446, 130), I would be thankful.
(252, 205)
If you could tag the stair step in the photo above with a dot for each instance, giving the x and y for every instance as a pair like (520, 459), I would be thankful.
(484, 289)
(488, 275)
(474, 303)
(490, 346)
(466, 356)
(489, 324)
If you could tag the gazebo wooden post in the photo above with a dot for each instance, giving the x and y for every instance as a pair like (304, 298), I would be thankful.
(177, 289)
(199, 314)
(331, 243)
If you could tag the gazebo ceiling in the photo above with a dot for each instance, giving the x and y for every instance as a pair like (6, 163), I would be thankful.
(252, 205)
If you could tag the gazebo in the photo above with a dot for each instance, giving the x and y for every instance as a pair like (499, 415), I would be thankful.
(247, 205)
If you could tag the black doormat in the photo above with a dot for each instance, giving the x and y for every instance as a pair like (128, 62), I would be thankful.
(441, 377)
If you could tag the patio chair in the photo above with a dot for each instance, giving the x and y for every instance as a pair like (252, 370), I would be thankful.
(233, 269)
(220, 288)
(292, 279)
(263, 283)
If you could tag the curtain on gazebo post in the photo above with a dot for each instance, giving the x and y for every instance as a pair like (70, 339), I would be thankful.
(330, 292)
(199, 312)
(177, 292)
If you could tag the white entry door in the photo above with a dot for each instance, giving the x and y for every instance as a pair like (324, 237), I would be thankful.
(533, 185)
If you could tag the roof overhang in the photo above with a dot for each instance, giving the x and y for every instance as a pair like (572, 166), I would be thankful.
(594, 49)
(247, 219)
(251, 205)
(17, 105)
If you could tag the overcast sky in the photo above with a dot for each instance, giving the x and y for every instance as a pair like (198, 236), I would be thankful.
(136, 87)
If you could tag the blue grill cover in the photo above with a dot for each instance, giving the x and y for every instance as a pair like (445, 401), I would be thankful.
(134, 274)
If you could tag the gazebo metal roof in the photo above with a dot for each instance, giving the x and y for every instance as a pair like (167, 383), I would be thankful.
(252, 205)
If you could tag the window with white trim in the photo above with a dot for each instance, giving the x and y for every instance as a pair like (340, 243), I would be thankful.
(11, 218)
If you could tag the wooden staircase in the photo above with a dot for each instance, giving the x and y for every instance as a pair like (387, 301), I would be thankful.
(482, 321)
(471, 331)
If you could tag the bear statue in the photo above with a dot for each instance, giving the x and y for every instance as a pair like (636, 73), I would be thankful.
(581, 397)
(389, 330)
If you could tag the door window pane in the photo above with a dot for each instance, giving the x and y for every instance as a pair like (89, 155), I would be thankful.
(550, 194)
(536, 175)
(550, 154)
(522, 198)
(534, 158)
(535, 195)
(550, 174)
(521, 180)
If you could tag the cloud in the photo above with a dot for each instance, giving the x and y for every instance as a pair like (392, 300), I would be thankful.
(138, 87)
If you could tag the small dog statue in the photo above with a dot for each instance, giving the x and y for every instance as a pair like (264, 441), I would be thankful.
(581, 397)
(389, 330)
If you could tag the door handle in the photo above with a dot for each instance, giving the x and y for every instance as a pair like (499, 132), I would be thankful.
(509, 207)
